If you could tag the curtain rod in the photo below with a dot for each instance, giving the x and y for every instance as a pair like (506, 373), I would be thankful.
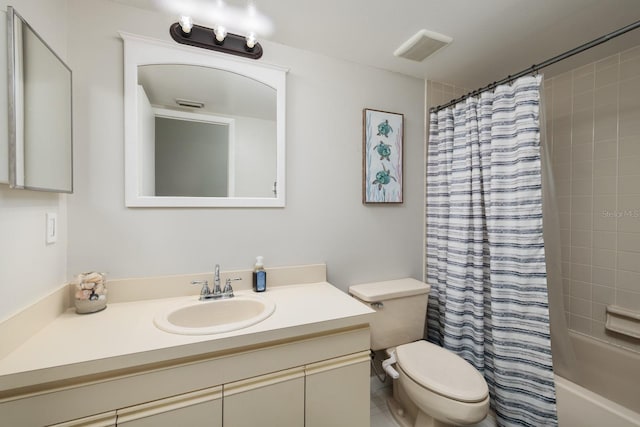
(541, 65)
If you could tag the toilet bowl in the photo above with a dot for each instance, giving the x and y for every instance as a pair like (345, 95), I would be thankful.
(445, 388)
(434, 387)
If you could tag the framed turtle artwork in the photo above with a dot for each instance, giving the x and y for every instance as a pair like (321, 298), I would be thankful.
(382, 156)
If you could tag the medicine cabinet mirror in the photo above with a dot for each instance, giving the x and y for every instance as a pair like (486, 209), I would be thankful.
(40, 112)
(201, 128)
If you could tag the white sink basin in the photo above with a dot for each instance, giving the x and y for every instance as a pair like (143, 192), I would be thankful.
(214, 316)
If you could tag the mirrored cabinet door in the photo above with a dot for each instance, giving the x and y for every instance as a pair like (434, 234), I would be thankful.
(39, 112)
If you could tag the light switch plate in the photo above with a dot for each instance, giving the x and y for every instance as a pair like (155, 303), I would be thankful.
(52, 228)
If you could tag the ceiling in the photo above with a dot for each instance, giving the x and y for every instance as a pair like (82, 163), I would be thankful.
(491, 38)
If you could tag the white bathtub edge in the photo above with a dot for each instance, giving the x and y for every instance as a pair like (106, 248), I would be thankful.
(572, 411)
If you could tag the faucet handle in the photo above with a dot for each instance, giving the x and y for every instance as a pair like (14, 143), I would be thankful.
(205, 287)
(228, 290)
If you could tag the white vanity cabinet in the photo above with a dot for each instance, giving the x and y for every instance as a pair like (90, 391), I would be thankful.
(316, 380)
(305, 365)
(335, 392)
(268, 400)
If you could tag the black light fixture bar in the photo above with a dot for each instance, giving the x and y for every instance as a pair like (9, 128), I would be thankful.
(204, 37)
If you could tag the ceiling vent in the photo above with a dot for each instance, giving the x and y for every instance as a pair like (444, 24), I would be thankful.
(189, 104)
(423, 44)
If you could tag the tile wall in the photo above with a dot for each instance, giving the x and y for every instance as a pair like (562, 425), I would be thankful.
(441, 93)
(593, 129)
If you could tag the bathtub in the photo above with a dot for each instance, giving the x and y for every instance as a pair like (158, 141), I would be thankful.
(606, 392)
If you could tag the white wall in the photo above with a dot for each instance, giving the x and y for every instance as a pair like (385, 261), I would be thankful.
(324, 220)
(30, 269)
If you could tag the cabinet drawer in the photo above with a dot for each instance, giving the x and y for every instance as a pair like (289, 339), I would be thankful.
(108, 419)
(197, 409)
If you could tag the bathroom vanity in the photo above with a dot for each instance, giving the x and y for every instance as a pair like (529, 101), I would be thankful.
(305, 365)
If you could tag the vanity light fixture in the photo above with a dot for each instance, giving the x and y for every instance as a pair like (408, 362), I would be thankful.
(218, 39)
(222, 19)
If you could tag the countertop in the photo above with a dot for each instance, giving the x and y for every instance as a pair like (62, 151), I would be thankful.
(124, 336)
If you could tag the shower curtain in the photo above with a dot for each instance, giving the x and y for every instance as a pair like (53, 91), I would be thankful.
(485, 257)
(564, 358)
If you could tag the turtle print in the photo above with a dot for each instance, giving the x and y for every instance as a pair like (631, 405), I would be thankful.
(384, 150)
(384, 129)
(383, 177)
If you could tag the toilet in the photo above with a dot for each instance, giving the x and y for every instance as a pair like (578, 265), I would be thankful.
(432, 387)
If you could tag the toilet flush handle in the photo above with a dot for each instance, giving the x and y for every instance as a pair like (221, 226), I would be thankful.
(386, 365)
(377, 305)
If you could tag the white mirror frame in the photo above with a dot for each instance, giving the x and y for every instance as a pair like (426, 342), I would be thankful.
(144, 51)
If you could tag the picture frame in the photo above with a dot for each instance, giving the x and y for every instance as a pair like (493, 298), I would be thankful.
(382, 156)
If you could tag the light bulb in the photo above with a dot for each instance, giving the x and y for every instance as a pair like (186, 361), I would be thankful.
(221, 33)
(186, 23)
(251, 40)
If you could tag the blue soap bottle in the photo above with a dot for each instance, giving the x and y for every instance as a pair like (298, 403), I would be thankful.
(259, 276)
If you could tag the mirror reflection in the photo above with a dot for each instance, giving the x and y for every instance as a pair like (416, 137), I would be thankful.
(191, 158)
(205, 132)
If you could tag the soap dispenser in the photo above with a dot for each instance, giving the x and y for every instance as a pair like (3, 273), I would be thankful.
(259, 276)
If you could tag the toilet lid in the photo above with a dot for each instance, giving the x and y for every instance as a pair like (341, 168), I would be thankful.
(442, 371)
(383, 291)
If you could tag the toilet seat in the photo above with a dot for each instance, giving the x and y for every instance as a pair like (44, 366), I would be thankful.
(442, 371)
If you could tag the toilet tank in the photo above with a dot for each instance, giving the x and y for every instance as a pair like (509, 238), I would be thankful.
(401, 309)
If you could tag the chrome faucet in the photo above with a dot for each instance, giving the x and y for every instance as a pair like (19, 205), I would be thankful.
(217, 293)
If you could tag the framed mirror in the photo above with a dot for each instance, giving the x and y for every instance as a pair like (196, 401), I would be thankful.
(201, 129)
(40, 112)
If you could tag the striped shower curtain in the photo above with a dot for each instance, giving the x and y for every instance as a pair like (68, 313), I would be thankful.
(484, 248)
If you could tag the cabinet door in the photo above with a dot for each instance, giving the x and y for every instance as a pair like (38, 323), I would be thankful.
(198, 409)
(269, 400)
(107, 419)
(337, 392)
